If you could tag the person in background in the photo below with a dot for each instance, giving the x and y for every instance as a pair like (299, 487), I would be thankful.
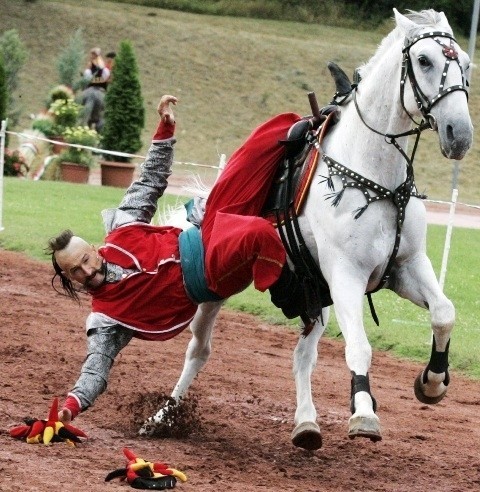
(97, 76)
(96, 73)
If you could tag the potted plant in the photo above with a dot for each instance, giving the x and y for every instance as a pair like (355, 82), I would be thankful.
(45, 125)
(65, 113)
(124, 119)
(76, 162)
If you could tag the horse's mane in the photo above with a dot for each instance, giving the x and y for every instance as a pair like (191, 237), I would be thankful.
(425, 18)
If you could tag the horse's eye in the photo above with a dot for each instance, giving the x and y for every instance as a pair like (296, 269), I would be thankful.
(424, 61)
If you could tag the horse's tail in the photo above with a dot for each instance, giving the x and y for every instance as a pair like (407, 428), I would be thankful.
(185, 215)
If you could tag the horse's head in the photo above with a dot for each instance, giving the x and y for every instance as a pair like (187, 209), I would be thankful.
(435, 79)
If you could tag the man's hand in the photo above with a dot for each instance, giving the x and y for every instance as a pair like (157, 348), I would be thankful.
(65, 416)
(164, 109)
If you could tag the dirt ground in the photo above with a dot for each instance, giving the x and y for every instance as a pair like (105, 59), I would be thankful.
(245, 405)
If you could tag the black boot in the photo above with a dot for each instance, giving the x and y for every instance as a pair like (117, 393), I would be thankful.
(287, 294)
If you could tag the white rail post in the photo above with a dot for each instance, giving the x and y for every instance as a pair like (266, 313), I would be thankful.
(446, 249)
(221, 164)
(3, 134)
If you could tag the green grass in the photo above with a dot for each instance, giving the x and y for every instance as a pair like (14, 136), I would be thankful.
(35, 211)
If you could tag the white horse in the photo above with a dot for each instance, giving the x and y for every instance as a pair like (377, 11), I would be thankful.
(418, 74)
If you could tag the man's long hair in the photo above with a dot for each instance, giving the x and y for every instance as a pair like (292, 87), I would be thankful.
(57, 244)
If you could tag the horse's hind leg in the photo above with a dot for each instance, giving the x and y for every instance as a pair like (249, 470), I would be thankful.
(197, 354)
(306, 433)
(416, 281)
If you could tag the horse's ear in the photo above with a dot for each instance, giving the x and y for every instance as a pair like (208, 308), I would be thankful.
(403, 22)
(342, 82)
(443, 20)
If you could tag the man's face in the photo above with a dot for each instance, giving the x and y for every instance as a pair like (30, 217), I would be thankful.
(81, 263)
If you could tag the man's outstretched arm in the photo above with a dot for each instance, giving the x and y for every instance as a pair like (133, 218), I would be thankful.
(140, 201)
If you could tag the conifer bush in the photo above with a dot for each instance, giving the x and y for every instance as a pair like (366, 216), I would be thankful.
(124, 109)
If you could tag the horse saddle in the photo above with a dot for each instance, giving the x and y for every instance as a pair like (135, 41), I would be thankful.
(297, 166)
(286, 198)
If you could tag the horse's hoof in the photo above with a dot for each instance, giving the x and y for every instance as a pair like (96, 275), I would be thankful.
(368, 427)
(420, 394)
(307, 435)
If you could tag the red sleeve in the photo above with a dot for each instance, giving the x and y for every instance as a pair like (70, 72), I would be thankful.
(72, 404)
(164, 131)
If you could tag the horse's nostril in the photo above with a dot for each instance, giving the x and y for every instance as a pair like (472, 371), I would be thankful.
(450, 135)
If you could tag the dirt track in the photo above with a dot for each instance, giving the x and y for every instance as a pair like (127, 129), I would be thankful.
(245, 403)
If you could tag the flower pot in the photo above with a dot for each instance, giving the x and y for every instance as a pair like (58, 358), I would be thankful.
(74, 173)
(58, 147)
(117, 174)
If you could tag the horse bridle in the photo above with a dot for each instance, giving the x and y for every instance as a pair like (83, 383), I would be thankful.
(424, 104)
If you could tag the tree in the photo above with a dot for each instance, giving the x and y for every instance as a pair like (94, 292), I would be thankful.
(3, 90)
(69, 62)
(124, 110)
(14, 56)
(3, 94)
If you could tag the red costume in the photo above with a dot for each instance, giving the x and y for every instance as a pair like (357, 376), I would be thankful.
(149, 295)
(153, 302)
(239, 246)
(241, 190)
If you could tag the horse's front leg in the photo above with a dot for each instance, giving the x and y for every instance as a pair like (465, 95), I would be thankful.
(306, 433)
(347, 295)
(197, 354)
(415, 280)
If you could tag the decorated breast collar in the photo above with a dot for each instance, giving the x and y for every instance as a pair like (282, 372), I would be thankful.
(352, 179)
(400, 198)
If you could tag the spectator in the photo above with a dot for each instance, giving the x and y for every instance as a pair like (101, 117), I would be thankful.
(96, 73)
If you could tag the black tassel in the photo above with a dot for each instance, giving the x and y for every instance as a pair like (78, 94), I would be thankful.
(359, 211)
(336, 197)
(329, 181)
(372, 309)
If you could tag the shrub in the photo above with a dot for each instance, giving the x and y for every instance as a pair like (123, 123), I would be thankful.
(45, 125)
(59, 92)
(65, 114)
(124, 111)
(79, 135)
(70, 60)
(14, 164)
(14, 56)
